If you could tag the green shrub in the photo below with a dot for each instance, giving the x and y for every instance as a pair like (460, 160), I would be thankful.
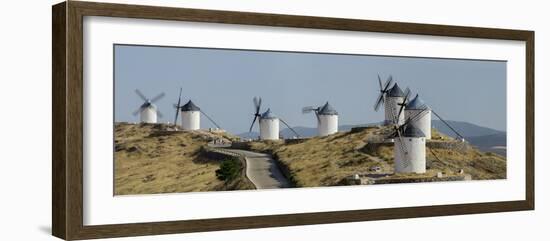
(229, 169)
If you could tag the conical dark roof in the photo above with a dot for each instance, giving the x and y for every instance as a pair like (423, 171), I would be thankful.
(147, 104)
(190, 106)
(327, 110)
(395, 91)
(416, 104)
(268, 115)
(412, 131)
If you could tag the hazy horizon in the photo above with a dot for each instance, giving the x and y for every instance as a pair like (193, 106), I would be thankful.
(223, 82)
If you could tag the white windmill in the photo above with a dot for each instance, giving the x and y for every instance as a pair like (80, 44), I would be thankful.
(148, 110)
(269, 123)
(191, 115)
(327, 118)
(415, 106)
(384, 89)
(393, 98)
(409, 145)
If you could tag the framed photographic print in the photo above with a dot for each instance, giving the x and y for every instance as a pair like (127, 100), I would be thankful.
(171, 120)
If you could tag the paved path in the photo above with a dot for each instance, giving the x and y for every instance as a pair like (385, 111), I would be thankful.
(262, 170)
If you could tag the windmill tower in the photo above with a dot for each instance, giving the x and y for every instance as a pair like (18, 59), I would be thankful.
(384, 89)
(410, 151)
(409, 146)
(327, 118)
(190, 116)
(148, 111)
(395, 99)
(269, 126)
(424, 124)
(269, 123)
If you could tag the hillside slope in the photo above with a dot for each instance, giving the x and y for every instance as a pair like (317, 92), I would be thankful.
(483, 138)
(326, 161)
(149, 159)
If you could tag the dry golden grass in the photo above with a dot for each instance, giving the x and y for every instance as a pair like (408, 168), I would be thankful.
(326, 161)
(323, 161)
(150, 160)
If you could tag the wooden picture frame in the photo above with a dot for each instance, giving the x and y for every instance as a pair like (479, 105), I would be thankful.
(67, 123)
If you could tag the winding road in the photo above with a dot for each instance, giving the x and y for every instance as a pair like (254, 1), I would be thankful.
(262, 170)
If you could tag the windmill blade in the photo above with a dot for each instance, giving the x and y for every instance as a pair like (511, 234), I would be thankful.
(407, 94)
(417, 116)
(308, 109)
(136, 112)
(141, 95)
(318, 118)
(160, 114)
(403, 149)
(176, 119)
(158, 97)
(447, 124)
(210, 119)
(389, 82)
(253, 121)
(404, 102)
(383, 91)
(379, 102)
(257, 104)
(177, 108)
(287, 125)
(394, 118)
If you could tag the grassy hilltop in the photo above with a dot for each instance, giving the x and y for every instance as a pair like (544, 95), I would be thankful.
(149, 159)
(326, 161)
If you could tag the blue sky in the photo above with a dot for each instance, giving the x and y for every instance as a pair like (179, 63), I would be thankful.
(223, 82)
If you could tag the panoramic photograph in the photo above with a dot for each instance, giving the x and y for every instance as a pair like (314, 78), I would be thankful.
(204, 119)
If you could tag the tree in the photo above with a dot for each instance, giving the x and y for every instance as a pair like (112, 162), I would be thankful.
(229, 169)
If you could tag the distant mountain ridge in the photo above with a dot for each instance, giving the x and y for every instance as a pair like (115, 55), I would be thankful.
(466, 129)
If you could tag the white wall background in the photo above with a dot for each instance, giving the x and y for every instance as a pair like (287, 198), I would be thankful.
(25, 124)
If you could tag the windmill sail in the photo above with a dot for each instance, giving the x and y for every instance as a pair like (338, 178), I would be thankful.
(383, 90)
(257, 101)
(398, 133)
(458, 135)
(178, 108)
(141, 95)
(404, 102)
(210, 119)
(290, 128)
(309, 109)
(148, 102)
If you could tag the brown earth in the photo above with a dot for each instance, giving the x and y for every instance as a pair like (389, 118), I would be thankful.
(326, 161)
(151, 159)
